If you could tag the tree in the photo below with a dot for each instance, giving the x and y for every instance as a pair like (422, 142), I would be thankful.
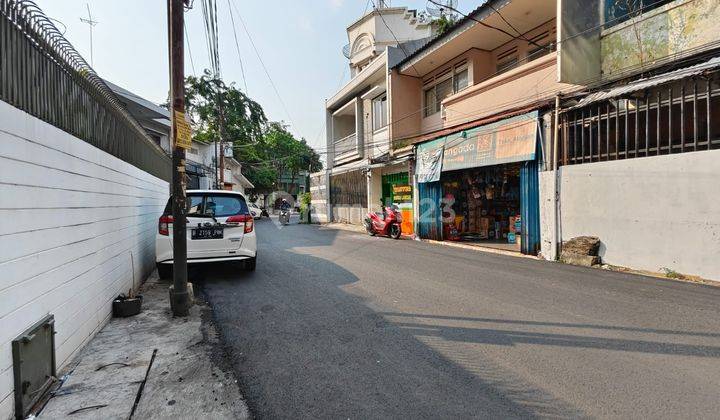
(205, 96)
(266, 150)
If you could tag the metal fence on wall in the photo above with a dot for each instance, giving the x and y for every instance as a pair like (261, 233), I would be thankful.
(677, 117)
(349, 189)
(43, 75)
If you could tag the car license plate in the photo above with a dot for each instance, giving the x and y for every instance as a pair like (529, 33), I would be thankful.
(206, 233)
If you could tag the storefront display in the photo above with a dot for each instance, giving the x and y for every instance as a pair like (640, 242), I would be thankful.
(482, 204)
(484, 184)
(397, 190)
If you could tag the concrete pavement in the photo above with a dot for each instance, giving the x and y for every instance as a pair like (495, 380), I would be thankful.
(338, 324)
(150, 366)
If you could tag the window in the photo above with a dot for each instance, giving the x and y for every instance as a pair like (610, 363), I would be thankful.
(430, 102)
(617, 11)
(460, 81)
(446, 84)
(222, 205)
(507, 60)
(379, 107)
(540, 45)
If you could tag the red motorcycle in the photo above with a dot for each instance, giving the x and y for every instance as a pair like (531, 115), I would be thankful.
(385, 223)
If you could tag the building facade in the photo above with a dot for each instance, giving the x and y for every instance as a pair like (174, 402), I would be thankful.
(473, 107)
(357, 115)
(638, 154)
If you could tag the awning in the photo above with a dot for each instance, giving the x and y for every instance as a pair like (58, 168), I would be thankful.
(506, 141)
(648, 82)
(390, 162)
(349, 167)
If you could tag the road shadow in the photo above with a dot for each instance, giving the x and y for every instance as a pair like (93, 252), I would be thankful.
(304, 347)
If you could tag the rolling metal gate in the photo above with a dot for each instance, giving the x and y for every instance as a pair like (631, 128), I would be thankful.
(429, 219)
(530, 207)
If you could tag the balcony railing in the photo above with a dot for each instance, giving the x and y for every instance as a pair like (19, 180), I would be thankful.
(345, 145)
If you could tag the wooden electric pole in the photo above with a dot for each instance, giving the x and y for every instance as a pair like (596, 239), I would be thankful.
(180, 299)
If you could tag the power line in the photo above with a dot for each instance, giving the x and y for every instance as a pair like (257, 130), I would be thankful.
(262, 63)
(209, 11)
(187, 41)
(520, 35)
(237, 47)
(400, 45)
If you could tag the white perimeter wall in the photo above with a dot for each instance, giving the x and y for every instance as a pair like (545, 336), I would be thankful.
(74, 222)
(649, 213)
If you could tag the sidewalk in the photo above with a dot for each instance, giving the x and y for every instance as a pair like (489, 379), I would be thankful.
(170, 368)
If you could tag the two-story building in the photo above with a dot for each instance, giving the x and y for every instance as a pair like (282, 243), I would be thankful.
(638, 153)
(359, 164)
(473, 106)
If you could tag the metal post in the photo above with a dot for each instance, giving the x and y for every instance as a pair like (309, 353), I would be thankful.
(179, 297)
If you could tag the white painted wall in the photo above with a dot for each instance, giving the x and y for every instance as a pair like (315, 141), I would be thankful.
(649, 213)
(77, 228)
(547, 207)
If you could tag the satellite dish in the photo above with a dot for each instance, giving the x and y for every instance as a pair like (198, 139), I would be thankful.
(445, 8)
(346, 51)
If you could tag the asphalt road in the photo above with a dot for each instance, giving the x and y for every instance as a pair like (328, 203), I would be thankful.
(337, 324)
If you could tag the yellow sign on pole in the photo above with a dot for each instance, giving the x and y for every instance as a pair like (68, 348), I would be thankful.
(183, 136)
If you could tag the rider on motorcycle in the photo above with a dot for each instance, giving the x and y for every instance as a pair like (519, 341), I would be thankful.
(284, 205)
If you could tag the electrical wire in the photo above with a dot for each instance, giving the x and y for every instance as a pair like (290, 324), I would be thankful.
(187, 41)
(237, 47)
(483, 111)
(262, 63)
(400, 45)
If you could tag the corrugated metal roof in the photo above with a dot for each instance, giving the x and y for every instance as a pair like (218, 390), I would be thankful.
(648, 82)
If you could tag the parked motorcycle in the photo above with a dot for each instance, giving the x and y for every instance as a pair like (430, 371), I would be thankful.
(385, 223)
(284, 217)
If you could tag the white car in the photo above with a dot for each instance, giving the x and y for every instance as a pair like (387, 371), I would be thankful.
(255, 210)
(220, 227)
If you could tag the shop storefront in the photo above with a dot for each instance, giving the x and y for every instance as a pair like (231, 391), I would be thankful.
(397, 190)
(481, 186)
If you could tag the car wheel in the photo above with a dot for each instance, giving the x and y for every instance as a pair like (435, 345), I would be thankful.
(165, 271)
(250, 263)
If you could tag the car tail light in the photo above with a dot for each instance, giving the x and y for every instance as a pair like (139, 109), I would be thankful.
(242, 218)
(164, 224)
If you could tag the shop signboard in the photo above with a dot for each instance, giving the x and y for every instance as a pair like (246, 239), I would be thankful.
(510, 140)
(429, 161)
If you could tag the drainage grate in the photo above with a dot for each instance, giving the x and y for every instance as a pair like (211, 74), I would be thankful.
(33, 364)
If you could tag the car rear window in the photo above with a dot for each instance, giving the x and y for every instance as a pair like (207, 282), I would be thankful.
(223, 204)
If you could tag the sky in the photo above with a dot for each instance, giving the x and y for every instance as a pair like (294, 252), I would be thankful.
(300, 42)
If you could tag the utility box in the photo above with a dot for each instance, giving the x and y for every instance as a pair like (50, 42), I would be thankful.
(33, 364)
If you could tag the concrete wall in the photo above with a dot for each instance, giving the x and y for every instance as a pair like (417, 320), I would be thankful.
(319, 193)
(649, 213)
(405, 99)
(77, 227)
(348, 214)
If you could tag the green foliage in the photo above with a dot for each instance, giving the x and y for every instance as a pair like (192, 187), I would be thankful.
(265, 149)
(443, 23)
(305, 200)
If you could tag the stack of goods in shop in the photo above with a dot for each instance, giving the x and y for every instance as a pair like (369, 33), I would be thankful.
(482, 204)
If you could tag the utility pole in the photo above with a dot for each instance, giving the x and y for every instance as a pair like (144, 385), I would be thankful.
(91, 23)
(180, 299)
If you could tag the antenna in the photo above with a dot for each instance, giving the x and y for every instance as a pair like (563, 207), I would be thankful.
(444, 9)
(346, 51)
(91, 23)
